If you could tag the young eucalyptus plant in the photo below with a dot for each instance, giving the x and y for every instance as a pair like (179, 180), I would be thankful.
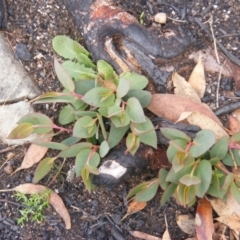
(200, 166)
(101, 108)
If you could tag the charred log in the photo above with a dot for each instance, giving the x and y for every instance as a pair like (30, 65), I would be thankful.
(3, 14)
(114, 35)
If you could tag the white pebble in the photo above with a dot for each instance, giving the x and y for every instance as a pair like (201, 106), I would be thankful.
(160, 18)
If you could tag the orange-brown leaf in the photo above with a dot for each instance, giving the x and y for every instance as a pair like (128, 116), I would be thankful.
(142, 235)
(172, 106)
(234, 125)
(204, 220)
(134, 207)
(55, 200)
(34, 154)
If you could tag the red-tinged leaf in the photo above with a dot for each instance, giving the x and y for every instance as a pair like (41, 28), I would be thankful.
(43, 169)
(54, 199)
(34, 154)
(176, 105)
(23, 130)
(234, 125)
(204, 220)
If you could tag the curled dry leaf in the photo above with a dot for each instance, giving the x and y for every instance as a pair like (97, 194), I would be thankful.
(204, 220)
(197, 78)
(233, 222)
(183, 88)
(34, 154)
(171, 106)
(234, 125)
(55, 200)
(186, 223)
(145, 236)
(134, 207)
(211, 65)
(204, 122)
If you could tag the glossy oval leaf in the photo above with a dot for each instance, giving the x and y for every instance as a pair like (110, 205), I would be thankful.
(140, 187)
(135, 111)
(162, 178)
(136, 80)
(172, 148)
(148, 193)
(204, 173)
(73, 150)
(67, 48)
(70, 140)
(203, 141)
(220, 148)
(123, 88)
(133, 143)
(189, 180)
(83, 86)
(81, 160)
(63, 76)
(52, 145)
(66, 115)
(43, 169)
(121, 120)
(104, 149)
(23, 130)
(99, 97)
(172, 134)
(168, 193)
(85, 127)
(106, 70)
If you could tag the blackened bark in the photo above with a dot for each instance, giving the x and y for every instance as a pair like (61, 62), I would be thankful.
(105, 26)
(3, 14)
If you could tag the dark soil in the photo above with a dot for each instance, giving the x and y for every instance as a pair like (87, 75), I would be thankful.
(97, 215)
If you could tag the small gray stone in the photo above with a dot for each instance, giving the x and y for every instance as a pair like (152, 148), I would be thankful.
(22, 52)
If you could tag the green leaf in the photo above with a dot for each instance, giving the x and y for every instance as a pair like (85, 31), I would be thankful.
(140, 187)
(55, 97)
(116, 135)
(43, 169)
(104, 149)
(178, 162)
(235, 137)
(214, 161)
(121, 120)
(185, 194)
(137, 81)
(162, 178)
(202, 142)
(220, 148)
(67, 48)
(146, 132)
(214, 188)
(135, 110)
(42, 124)
(235, 192)
(204, 173)
(66, 115)
(123, 88)
(232, 159)
(94, 160)
(78, 71)
(172, 150)
(81, 160)
(70, 140)
(83, 86)
(23, 130)
(52, 145)
(228, 180)
(85, 60)
(73, 150)
(173, 134)
(99, 97)
(144, 97)
(114, 111)
(92, 169)
(102, 126)
(148, 193)
(106, 70)
(85, 113)
(85, 127)
(168, 193)
(132, 143)
(87, 179)
(189, 180)
(174, 177)
(63, 76)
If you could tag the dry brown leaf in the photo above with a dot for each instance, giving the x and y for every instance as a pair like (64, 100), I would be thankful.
(171, 106)
(204, 220)
(183, 116)
(34, 154)
(55, 200)
(234, 125)
(220, 207)
(231, 201)
(197, 78)
(142, 235)
(233, 222)
(166, 235)
(210, 63)
(134, 207)
(183, 88)
(186, 223)
(204, 122)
